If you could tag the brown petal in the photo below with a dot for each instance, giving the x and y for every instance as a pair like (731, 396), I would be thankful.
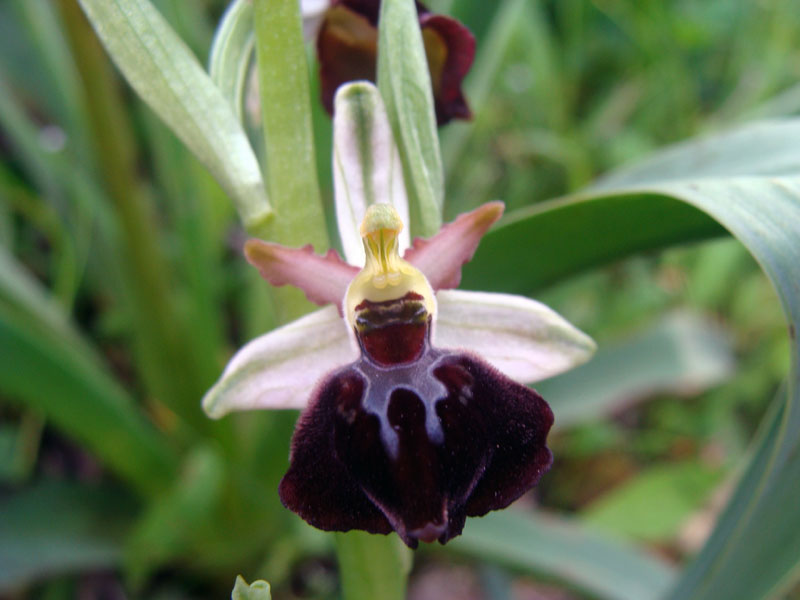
(347, 44)
(450, 48)
(441, 257)
(324, 279)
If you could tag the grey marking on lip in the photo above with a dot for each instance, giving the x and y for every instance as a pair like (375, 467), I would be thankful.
(416, 377)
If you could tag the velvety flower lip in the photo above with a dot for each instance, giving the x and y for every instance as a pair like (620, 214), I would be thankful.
(347, 41)
(415, 446)
(410, 423)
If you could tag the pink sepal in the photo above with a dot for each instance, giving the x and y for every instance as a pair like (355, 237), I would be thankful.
(324, 279)
(441, 257)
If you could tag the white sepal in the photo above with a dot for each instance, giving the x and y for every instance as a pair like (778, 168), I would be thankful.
(280, 368)
(522, 338)
(313, 12)
(366, 165)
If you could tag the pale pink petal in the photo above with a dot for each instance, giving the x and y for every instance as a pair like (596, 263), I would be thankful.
(366, 165)
(324, 279)
(280, 369)
(522, 338)
(441, 257)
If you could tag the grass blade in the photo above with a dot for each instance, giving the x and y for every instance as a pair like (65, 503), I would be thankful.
(682, 353)
(57, 528)
(165, 73)
(589, 561)
(53, 370)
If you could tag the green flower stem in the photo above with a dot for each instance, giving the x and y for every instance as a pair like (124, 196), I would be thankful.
(286, 112)
(289, 142)
(405, 85)
(165, 366)
(372, 566)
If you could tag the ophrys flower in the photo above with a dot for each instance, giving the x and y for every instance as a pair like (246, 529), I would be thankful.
(414, 427)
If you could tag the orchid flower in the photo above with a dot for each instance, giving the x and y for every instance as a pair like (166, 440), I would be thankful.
(409, 422)
(346, 34)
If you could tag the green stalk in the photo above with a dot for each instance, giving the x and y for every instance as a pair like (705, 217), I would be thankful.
(165, 366)
(289, 141)
(405, 84)
(372, 566)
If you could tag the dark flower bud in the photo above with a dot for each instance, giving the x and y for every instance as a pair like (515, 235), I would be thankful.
(347, 44)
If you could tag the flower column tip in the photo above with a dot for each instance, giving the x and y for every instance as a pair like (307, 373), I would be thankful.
(385, 276)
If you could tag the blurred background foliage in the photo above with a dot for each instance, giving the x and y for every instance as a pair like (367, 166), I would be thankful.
(123, 293)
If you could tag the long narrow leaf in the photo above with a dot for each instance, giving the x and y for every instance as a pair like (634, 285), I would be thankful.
(165, 73)
(58, 528)
(50, 368)
(563, 237)
(755, 549)
(288, 136)
(405, 84)
(681, 354)
(602, 567)
(763, 148)
(288, 139)
(231, 52)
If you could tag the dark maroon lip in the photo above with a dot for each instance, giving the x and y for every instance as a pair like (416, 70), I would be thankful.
(416, 446)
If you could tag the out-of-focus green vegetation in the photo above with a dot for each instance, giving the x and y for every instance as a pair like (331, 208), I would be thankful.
(123, 293)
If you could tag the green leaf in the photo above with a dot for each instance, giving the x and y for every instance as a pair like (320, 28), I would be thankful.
(571, 234)
(405, 84)
(57, 528)
(763, 148)
(231, 52)
(682, 353)
(258, 590)
(676, 490)
(755, 549)
(763, 512)
(372, 566)
(55, 371)
(170, 526)
(291, 169)
(605, 568)
(19, 448)
(563, 237)
(286, 110)
(164, 72)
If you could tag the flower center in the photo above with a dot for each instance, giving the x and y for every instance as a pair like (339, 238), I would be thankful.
(385, 276)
